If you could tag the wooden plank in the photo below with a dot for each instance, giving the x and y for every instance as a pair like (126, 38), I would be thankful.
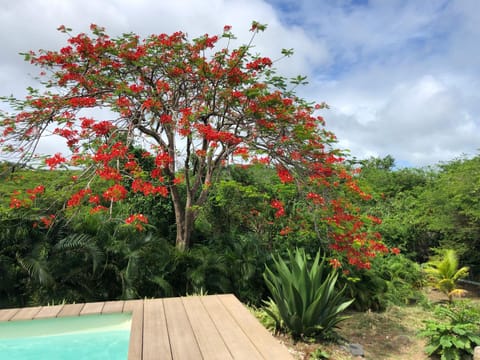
(265, 343)
(49, 311)
(71, 310)
(135, 347)
(113, 307)
(156, 342)
(237, 342)
(182, 339)
(26, 313)
(92, 308)
(208, 338)
(7, 314)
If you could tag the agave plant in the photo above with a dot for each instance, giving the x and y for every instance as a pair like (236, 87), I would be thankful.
(304, 295)
(443, 273)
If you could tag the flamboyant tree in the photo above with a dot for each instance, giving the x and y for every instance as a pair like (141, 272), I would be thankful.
(192, 109)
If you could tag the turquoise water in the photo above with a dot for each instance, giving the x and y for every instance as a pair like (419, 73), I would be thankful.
(78, 338)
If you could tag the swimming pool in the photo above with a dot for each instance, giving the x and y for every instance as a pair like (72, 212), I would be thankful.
(78, 338)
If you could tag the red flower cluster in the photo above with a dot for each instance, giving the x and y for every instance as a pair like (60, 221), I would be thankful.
(138, 220)
(40, 189)
(106, 153)
(109, 173)
(316, 198)
(77, 198)
(395, 250)
(284, 175)
(115, 193)
(278, 205)
(47, 221)
(55, 160)
(82, 101)
(259, 63)
(335, 263)
(102, 128)
(147, 188)
(163, 159)
(15, 203)
(285, 231)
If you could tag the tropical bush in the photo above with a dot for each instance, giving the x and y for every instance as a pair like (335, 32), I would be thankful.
(392, 280)
(443, 272)
(457, 337)
(305, 295)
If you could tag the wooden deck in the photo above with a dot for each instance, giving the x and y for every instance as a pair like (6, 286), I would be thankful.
(187, 328)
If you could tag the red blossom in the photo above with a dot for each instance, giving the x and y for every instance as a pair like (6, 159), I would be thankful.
(284, 175)
(316, 198)
(40, 189)
(210, 41)
(138, 220)
(82, 101)
(178, 180)
(15, 203)
(77, 198)
(86, 122)
(162, 86)
(8, 130)
(242, 151)
(395, 250)
(102, 127)
(278, 205)
(259, 63)
(94, 199)
(47, 220)
(165, 119)
(156, 174)
(335, 263)
(136, 88)
(108, 173)
(123, 102)
(163, 159)
(285, 231)
(201, 153)
(97, 208)
(55, 160)
(115, 193)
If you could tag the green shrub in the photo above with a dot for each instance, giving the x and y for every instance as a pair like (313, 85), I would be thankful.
(305, 296)
(455, 338)
(263, 315)
(392, 280)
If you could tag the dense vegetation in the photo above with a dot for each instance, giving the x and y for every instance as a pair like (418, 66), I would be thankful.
(95, 256)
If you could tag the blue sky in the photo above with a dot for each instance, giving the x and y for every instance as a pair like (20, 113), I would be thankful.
(402, 77)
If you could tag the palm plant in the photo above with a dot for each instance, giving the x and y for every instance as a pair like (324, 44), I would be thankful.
(443, 273)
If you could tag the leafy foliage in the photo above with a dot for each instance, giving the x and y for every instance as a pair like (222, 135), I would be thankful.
(444, 273)
(457, 337)
(392, 280)
(305, 295)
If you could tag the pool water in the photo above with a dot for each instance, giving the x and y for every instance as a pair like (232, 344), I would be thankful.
(78, 338)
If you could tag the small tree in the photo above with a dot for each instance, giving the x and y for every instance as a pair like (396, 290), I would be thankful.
(193, 110)
(443, 273)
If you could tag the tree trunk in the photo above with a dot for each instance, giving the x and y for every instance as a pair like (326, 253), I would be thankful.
(184, 218)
